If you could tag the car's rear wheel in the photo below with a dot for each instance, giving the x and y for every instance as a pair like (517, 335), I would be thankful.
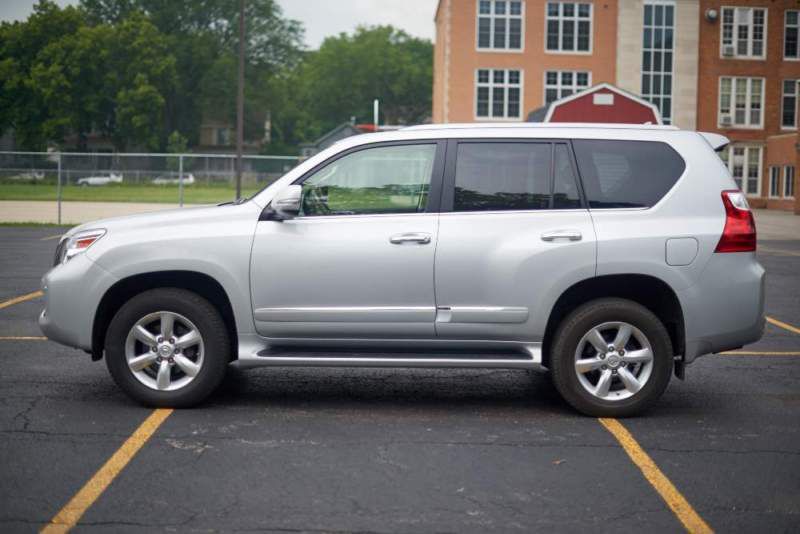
(611, 358)
(167, 347)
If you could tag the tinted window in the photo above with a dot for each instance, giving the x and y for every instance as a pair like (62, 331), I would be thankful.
(502, 176)
(392, 179)
(626, 174)
(565, 186)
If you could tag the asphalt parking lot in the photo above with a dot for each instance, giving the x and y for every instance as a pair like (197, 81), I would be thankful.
(351, 450)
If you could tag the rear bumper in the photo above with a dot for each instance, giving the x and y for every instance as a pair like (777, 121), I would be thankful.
(72, 292)
(724, 310)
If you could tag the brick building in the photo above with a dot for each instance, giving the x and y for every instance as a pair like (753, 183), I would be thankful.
(728, 66)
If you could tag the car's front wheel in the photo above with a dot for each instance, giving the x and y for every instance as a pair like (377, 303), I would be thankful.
(611, 358)
(167, 347)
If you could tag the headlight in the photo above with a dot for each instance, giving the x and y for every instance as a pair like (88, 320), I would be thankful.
(77, 243)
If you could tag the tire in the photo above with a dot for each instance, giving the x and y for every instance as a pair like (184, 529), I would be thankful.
(190, 372)
(586, 391)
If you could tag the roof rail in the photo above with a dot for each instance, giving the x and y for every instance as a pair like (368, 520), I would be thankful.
(596, 125)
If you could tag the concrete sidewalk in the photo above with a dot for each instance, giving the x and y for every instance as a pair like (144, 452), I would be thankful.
(771, 224)
(36, 211)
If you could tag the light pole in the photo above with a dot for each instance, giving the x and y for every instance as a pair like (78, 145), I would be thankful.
(240, 105)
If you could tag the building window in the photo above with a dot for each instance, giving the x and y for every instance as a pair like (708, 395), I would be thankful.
(569, 27)
(561, 83)
(741, 101)
(500, 24)
(790, 35)
(743, 31)
(774, 181)
(789, 104)
(657, 50)
(744, 163)
(788, 181)
(498, 94)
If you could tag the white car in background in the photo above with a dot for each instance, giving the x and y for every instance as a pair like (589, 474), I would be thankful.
(168, 179)
(106, 179)
(28, 176)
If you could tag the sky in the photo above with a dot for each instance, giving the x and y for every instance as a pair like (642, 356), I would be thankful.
(321, 18)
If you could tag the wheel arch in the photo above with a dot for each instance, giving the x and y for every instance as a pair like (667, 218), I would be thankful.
(200, 283)
(649, 291)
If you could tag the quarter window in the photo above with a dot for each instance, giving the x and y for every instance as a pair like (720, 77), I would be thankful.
(561, 83)
(392, 179)
(569, 26)
(657, 52)
(788, 181)
(791, 50)
(743, 32)
(499, 176)
(744, 164)
(626, 174)
(498, 93)
(500, 24)
(741, 101)
(789, 104)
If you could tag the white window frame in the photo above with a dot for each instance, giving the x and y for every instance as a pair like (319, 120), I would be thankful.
(730, 164)
(735, 80)
(559, 87)
(749, 24)
(660, 95)
(575, 18)
(786, 26)
(787, 180)
(784, 95)
(508, 16)
(505, 85)
(775, 188)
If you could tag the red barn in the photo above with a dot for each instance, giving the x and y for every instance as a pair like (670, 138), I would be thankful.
(600, 103)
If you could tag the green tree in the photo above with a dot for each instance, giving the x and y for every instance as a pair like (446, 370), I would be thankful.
(349, 71)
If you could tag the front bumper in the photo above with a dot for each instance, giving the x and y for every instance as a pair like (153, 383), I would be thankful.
(72, 293)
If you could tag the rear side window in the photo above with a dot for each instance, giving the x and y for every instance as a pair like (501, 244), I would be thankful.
(498, 176)
(626, 174)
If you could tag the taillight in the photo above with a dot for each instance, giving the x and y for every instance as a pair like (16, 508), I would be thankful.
(739, 234)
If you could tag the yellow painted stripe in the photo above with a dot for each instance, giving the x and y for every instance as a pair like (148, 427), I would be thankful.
(69, 516)
(677, 502)
(758, 353)
(22, 298)
(48, 238)
(785, 326)
(23, 338)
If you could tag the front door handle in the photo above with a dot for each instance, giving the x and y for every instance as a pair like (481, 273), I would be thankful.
(411, 237)
(569, 235)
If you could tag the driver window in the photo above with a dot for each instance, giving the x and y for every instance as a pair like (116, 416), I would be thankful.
(390, 179)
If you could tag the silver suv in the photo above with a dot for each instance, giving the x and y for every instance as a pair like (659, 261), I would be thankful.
(609, 256)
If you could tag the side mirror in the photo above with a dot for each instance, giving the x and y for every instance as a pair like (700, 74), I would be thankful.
(285, 205)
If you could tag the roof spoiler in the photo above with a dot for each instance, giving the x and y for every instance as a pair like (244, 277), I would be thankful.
(718, 142)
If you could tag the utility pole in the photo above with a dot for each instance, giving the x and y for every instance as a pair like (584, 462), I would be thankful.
(240, 105)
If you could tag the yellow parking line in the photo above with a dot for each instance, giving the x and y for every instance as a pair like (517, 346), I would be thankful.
(48, 238)
(69, 516)
(22, 298)
(23, 338)
(783, 325)
(677, 502)
(758, 353)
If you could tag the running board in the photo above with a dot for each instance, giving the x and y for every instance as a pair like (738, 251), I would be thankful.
(336, 358)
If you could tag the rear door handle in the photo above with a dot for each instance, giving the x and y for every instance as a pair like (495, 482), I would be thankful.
(568, 235)
(410, 237)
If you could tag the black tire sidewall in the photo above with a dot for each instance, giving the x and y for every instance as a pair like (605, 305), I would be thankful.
(590, 315)
(200, 312)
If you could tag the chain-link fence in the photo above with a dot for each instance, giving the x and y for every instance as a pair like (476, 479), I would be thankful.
(142, 178)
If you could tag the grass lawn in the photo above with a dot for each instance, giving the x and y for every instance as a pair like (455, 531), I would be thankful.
(192, 194)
